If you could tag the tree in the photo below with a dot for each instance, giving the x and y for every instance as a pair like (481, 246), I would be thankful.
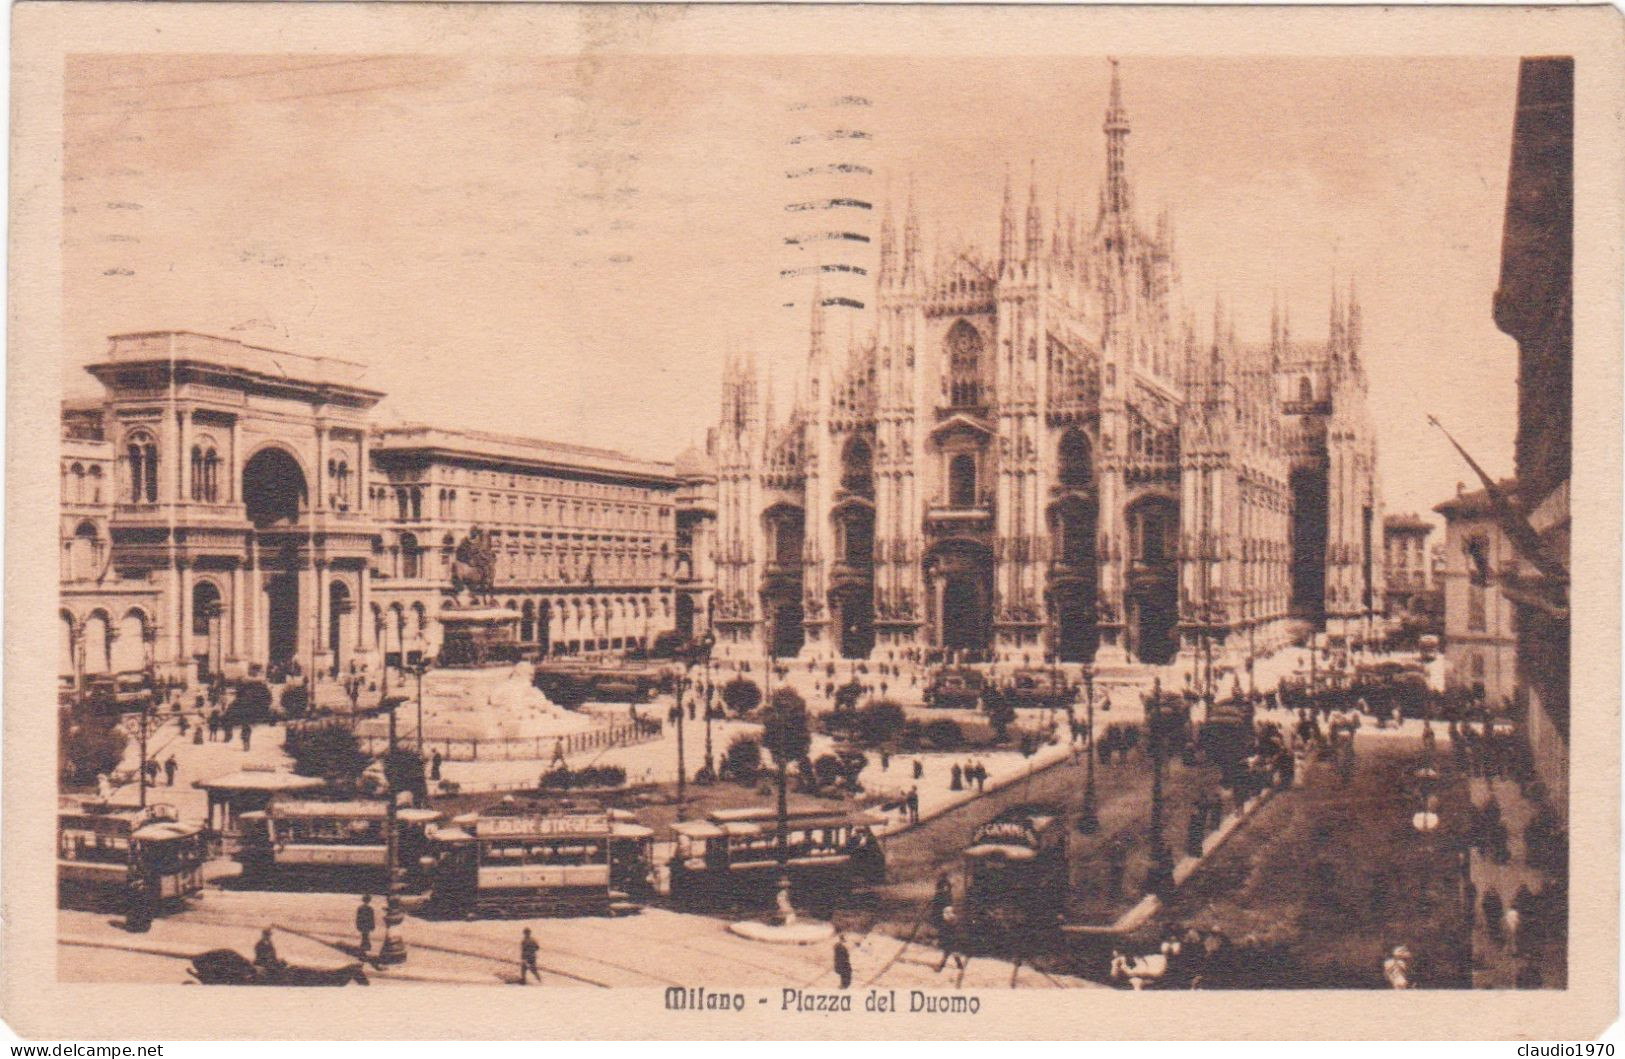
(252, 704)
(741, 696)
(847, 695)
(787, 738)
(1001, 712)
(743, 759)
(90, 746)
(563, 689)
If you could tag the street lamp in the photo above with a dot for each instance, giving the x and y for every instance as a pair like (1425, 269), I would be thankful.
(1161, 876)
(1089, 820)
(393, 949)
(418, 669)
(683, 685)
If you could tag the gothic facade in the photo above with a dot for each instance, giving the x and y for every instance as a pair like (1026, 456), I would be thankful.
(1033, 456)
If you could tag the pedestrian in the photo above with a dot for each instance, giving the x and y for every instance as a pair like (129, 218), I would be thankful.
(214, 724)
(169, 769)
(151, 769)
(434, 765)
(919, 769)
(248, 735)
(885, 759)
(366, 921)
(914, 804)
(843, 962)
(981, 778)
(948, 938)
(527, 958)
(265, 956)
(956, 778)
(1493, 908)
(941, 899)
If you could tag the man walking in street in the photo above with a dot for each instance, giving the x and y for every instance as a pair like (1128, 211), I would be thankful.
(527, 958)
(914, 805)
(843, 962)
(248, 735)
(169, 769)
(366, 921)
(434, 766)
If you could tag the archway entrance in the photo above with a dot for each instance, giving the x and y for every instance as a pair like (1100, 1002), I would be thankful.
(854, 609)
(282, 619)
(1073, 574)
(1152, 599)
(685, 616)
(1076, 634)
(785, 631)
(206, 618)
(340, 610)
(962, 575)
(1309, 544)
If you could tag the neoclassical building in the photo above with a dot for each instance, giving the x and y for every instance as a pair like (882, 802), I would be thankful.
(1034, 455)
(226, 507)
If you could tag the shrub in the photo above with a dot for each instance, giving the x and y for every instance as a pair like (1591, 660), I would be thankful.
(330, 751)
(252, 704)
(840, 723)
(563, 689)
(944, 734)
(592, 776)
(827, 769)
(743, 759)
(667, 644)
(91, 746)
(880, 722)
(741, 696)
(295, 700)
(785, 733)
(847, 695)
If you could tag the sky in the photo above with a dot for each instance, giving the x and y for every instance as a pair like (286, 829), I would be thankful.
(570, 246)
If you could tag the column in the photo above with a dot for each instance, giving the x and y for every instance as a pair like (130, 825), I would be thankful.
(238, 611)
(183, 628)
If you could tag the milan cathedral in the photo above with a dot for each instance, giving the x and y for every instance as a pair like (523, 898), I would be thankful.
(1034, 458)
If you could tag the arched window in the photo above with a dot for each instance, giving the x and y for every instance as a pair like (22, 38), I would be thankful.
(205, 605)
(962, 481)
(417, 504)
(857, 469)
(141, 455)
(410, 562)
(1074, 470)
(1306, 390)
(84, 553)
(964, 348)
(205, 473)
(77, 492)
(402, 505)
(95, 485)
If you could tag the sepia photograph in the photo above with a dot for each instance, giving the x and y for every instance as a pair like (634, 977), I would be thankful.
(815, 528)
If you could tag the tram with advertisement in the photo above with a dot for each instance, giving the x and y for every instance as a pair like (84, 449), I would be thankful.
(732, 856)
(1016, 876)
(144, 860)
(546, 858)
(307, 842)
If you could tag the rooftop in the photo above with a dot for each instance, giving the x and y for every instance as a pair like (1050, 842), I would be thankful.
(1412, 523)
(512, 448)
(1477, 503)
(192, 347)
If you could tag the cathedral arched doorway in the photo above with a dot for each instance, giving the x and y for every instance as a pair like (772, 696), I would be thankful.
(785, 631)
(1309, 531)
(274, 489)
(685, 616)
(1152, 600)
(854, 612)
(960, 574)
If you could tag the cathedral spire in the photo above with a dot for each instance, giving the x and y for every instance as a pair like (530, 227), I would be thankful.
(817, 326)
(1334, 340)
(1275, 322)
(911, 237)
(1007, 222)
(1116, 129)
(888, 243)
(1035, 230)
(1353, 324)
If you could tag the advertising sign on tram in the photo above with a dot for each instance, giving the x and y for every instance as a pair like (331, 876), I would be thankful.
(543, 825)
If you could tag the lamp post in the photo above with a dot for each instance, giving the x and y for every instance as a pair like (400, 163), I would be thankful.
(1089, 819)
(1161, 875)
(393, 949)
(418, 669)
(683, 685)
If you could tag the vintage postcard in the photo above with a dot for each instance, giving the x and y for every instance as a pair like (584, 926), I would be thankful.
(783, 521)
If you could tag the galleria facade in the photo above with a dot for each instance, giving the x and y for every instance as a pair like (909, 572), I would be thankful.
(227, 508)
(1034, 457)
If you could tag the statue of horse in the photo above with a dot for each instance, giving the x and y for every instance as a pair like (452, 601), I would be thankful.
(473, 566)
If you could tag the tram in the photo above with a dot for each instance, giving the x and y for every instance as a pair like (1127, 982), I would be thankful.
(142, 859)
(559, 858)
(1016, 875)
(733, 855)
(309, 842)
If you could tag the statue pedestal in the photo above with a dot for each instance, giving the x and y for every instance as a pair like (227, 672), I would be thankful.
(472, 636)
(488, 704)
